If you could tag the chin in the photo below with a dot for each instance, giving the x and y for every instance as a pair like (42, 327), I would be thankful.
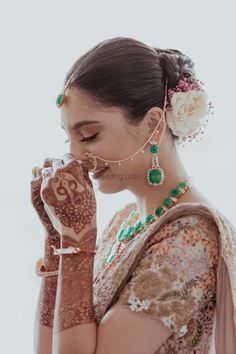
(108, 186)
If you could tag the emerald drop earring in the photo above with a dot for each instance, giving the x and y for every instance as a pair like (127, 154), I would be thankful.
(155, 174)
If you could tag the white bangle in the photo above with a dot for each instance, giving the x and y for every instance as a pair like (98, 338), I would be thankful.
(71, 249)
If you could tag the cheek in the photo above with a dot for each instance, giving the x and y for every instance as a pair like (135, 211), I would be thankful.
(118, 145)
(110, 146)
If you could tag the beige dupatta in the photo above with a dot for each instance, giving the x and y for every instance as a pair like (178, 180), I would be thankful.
(108, 284)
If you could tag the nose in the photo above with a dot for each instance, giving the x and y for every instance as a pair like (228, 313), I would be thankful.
(80, 155)
(76, 151)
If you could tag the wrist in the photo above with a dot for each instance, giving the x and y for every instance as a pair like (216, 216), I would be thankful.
(85, 238)
(51, 262)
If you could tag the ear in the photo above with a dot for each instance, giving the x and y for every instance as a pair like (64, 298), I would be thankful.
(154, 116)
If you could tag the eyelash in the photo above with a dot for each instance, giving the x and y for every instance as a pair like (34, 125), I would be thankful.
(90, 138)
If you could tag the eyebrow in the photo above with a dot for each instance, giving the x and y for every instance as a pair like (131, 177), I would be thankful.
(81, 124)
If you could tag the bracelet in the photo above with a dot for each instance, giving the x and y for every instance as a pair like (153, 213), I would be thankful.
(40, 270)
(71, 249)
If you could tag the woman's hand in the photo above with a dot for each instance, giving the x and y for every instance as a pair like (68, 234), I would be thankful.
(36, 199)
(52, 238)
(69, 199)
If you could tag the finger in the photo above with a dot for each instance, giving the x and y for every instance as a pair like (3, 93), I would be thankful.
(36, 174)
(46, 172)
(47, 162)
(68, 158)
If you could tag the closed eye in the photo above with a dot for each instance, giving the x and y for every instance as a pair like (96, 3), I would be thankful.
(89, 138)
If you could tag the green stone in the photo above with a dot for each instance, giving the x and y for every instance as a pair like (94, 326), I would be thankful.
(133, 212)
(129, 233)
(139, 226)
(110, 258)
(155, 176)
(159, 211)
(120, 235)
(167, 202)
(60, 99)
(175, 192)
(153, 149)
(182, 185)
(149, 218)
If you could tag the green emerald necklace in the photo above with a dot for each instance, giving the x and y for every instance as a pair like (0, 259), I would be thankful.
(127, 231)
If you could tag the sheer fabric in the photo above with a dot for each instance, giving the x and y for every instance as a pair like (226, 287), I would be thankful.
(171, 273)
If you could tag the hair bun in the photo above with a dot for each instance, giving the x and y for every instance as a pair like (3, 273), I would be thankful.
(176, 65)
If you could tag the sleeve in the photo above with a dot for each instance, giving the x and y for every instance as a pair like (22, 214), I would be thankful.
(176, 274)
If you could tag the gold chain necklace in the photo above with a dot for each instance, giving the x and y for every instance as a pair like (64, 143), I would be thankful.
(127, 231)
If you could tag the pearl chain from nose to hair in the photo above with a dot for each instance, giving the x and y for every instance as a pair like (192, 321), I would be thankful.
(91, 155)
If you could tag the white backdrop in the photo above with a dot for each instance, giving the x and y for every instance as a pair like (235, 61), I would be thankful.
(39, 42)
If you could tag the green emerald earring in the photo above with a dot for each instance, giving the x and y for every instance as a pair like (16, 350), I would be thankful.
(155, 174)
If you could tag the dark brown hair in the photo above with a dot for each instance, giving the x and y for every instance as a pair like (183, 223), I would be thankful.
(129, 74)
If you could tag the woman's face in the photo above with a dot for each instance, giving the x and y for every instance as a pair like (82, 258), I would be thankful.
(108, 135)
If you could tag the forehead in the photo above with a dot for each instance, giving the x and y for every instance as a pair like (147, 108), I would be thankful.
(78, 104)
(81, 108)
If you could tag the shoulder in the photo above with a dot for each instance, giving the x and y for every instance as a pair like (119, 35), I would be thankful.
(176, 274)
(189, 230)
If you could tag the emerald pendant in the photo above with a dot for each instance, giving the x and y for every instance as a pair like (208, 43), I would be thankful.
(155, 176)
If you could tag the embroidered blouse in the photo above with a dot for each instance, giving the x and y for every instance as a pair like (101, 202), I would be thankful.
(174, 280)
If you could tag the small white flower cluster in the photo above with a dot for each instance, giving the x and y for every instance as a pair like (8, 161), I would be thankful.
(135, 304)
(183, 330)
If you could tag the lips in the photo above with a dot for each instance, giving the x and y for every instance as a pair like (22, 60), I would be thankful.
(99, 171)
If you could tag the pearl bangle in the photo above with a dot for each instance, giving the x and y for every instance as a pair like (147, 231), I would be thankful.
(71, 249)
(40, 269)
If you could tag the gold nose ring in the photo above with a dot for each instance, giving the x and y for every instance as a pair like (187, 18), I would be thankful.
(92, 162)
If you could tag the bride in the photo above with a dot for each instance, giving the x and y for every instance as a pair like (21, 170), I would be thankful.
(161, 278)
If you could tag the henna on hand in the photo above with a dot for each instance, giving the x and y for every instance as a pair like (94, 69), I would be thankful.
(70, 198)
(75, 304)
(47, 295)
(39, 205)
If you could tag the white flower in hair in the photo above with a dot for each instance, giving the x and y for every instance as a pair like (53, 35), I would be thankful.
(188, 106)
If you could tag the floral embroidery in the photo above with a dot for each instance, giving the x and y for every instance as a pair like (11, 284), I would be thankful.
(136, 304)
(174, 281)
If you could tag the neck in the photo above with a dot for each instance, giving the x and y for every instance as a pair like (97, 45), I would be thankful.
(149, 197)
